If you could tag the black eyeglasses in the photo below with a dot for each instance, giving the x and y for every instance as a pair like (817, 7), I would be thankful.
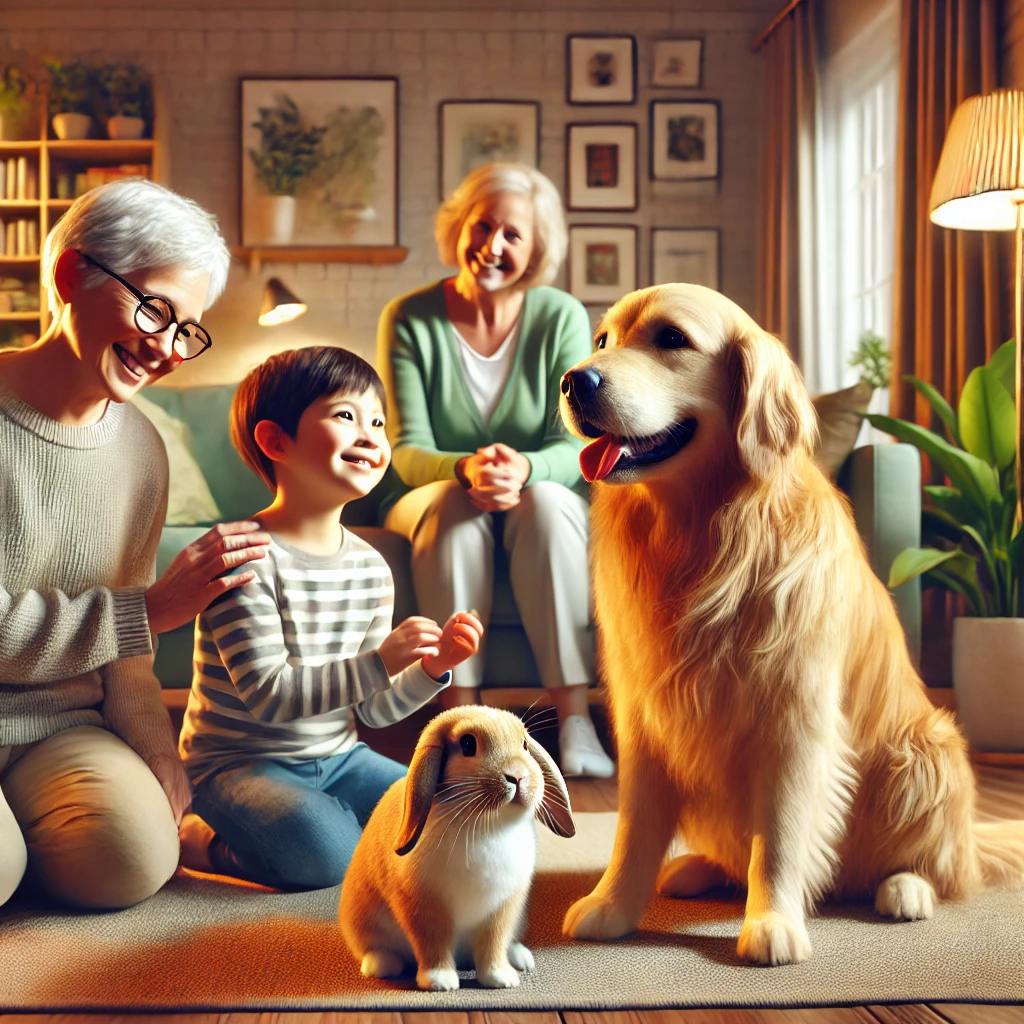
(154, 315)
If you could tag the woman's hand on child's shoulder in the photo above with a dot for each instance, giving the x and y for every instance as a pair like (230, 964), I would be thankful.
(460, 639)
(415, 638)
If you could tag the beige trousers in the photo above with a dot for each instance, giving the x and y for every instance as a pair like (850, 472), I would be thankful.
(545, 536)
(82, 812)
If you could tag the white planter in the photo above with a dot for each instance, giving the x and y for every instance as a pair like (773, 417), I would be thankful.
(988, 676)
(121, 127)
(71, 126)
(277, 219)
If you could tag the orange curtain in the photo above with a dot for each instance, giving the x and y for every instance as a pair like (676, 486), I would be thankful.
(948, 285)
(786, 225)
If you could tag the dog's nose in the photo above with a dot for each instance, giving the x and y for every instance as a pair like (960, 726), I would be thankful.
(581, 384)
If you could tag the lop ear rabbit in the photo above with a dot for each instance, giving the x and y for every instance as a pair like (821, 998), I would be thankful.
(443, 869)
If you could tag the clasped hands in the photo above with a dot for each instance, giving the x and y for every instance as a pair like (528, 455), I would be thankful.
(493, 477)
(440, 647)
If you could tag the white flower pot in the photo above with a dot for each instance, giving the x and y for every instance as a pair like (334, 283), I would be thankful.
(121, 127)
(277, 219)
(71, 126)
(988, 676)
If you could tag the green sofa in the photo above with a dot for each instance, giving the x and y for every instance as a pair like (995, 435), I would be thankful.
(883, 482)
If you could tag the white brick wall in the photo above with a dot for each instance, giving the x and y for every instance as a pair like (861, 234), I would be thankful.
(438, 49)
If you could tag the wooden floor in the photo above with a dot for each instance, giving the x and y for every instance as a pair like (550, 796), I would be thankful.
(1001, 796)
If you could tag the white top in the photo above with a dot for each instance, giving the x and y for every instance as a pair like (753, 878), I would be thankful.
(487, 375)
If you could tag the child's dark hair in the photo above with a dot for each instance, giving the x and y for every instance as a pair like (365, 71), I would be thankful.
(284, 386)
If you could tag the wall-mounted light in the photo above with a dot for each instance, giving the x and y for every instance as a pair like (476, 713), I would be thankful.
(280, 304)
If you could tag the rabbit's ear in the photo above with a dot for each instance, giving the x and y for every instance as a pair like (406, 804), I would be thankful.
(420, 786)
(554, 810)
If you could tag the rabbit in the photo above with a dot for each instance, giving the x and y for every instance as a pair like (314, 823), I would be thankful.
(442, 871)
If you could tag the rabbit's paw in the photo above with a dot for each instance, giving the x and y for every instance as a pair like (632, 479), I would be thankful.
(520, 957)
(772, 939)
(497, 976)
(594, 917)
(906, 897)
(438, 979)
(382, 963)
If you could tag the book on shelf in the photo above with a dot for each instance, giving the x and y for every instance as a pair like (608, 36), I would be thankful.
(11, 186)
(28, 178)
(11, 238)
(32, 238)
(22, 236)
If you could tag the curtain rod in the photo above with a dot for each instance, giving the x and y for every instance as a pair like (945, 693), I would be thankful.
(779, 18)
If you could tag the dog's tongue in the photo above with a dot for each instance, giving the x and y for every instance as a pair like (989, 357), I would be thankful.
(598, 459)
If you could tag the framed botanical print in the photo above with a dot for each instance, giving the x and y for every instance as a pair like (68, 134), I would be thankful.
(676, 63)
(602, 262)
(478, 132)
(601, 166)
(686, 255)
(319, 162)
(600, 69)
(684, 139)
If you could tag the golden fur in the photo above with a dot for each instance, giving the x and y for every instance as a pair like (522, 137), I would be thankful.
(759, 683)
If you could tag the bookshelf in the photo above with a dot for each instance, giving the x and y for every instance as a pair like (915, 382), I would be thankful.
(60, 167)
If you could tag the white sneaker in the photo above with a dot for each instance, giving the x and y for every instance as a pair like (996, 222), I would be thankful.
(581, 750)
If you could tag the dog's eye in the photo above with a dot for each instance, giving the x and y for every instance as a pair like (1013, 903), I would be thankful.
(670, 337)
(468, 744)
(602, 340)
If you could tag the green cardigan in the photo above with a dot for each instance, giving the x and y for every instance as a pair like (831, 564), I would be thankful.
(432, 418)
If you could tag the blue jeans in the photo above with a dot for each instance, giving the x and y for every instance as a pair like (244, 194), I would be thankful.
(293, 825)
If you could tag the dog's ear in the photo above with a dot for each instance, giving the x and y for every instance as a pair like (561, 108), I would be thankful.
(554, 810)
(772, 415)
(420, 786)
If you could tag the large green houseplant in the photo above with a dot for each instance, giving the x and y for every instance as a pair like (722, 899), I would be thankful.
(123, 99)
(70, 96)
(971, 543)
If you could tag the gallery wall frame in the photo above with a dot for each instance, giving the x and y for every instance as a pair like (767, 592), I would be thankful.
(600, 69)
(601, 166)
(685, 140)
(304, 182)
(475, 132)
(686, 255)
(603, 262)
(677, 63)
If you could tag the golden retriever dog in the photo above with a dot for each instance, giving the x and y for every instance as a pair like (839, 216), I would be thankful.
(759, 684)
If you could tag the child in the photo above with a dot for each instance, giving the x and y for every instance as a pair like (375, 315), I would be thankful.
(283, 664)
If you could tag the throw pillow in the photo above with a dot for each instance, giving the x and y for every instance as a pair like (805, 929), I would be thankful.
(839, 423)
(189, 500)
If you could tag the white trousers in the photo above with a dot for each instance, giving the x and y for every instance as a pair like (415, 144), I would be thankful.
(545, 536)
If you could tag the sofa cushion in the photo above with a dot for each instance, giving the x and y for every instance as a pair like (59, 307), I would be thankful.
(840, 417)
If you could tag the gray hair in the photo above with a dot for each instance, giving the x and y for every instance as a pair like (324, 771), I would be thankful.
(134, 224)
(550, 238)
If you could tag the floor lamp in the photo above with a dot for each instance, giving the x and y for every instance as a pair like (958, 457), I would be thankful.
(979, 186)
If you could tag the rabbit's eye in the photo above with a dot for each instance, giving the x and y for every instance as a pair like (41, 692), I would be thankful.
(468, 744)
(526, 746)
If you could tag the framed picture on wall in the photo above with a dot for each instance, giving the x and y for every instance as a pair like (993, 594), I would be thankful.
(601, 164)
(684, 139)
(600, 69)
(602, 262)
(319, 160)
(477, 132)
(676, 62)
(686, 255)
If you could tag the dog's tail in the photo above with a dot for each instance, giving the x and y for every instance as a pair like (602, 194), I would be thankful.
(1000, 848)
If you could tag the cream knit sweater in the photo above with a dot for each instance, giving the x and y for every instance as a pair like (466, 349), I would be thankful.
(81, 510)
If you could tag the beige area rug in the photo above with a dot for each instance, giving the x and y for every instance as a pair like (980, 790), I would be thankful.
(203, 943)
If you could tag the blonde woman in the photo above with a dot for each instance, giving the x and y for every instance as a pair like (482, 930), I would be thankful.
(472, 365)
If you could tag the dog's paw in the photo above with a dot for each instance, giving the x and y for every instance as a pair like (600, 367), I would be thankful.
(498, 976)
(905, 897)
(438, 979)
(382, 963)
(594, 917)
(772, 939)
(520, 957)
(689, 875)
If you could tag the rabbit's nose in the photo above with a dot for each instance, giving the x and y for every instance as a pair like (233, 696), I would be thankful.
(520, 786)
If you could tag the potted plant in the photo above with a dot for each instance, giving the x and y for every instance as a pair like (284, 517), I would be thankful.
(70, 100)
(123, 99)
(288, 151)
(17, 99)
(973, 546)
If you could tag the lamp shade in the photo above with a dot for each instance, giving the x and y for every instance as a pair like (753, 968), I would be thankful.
(280, 304)
(980, 177)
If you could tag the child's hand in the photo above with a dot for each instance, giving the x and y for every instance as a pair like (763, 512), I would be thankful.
(460, 639)
(415, 638)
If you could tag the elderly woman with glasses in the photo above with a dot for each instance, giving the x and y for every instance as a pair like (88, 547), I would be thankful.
(472, 366)
(91, 786)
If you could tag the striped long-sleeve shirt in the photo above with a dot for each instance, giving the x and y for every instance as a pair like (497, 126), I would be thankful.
(281, 663)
